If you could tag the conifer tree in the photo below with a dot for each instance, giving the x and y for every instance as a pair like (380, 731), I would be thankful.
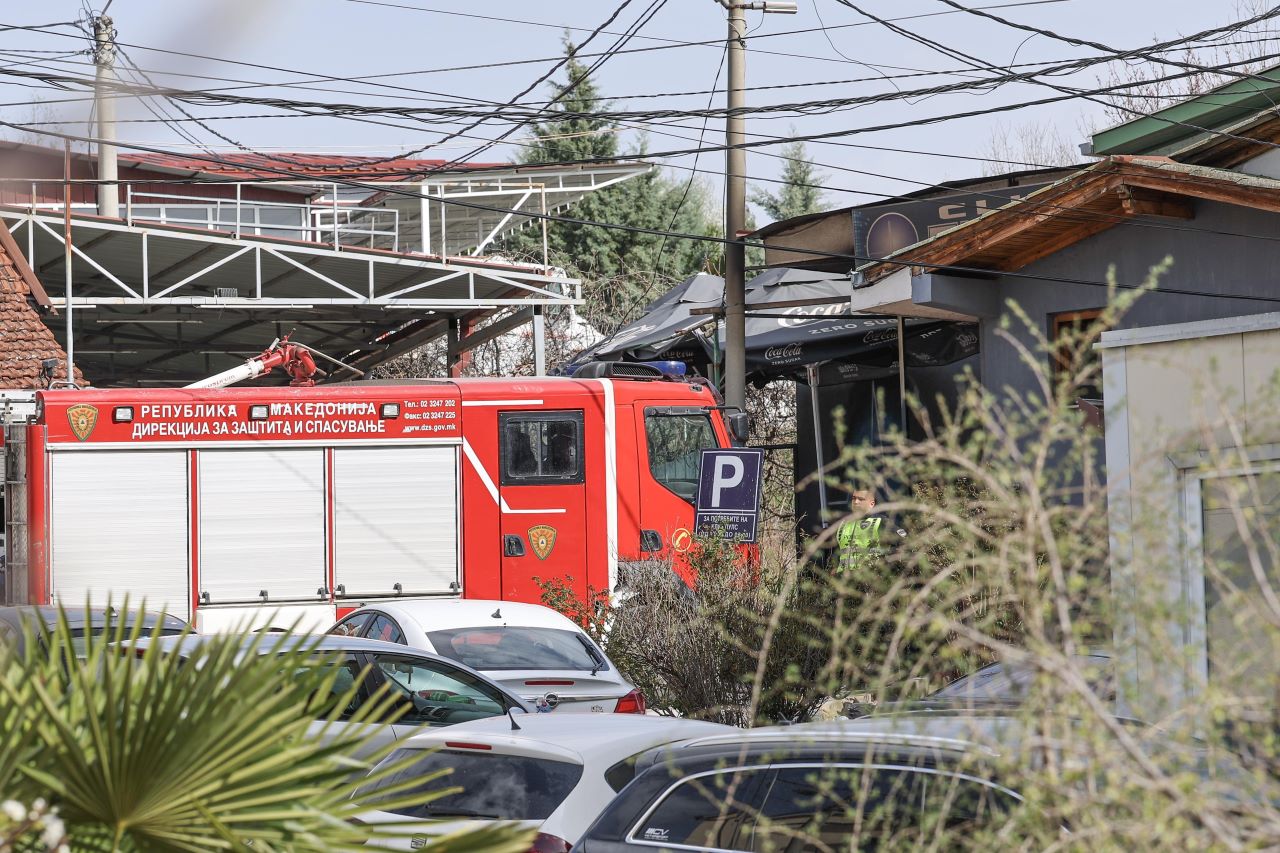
(621, 271)
(800, 193)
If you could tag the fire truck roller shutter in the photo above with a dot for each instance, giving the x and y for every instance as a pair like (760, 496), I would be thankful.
(118, 522)
(395, 520)
(262, 525)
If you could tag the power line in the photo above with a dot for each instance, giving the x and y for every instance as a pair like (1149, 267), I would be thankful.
(635, 229)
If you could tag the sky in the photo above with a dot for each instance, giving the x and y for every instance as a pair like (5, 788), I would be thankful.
(419, 47)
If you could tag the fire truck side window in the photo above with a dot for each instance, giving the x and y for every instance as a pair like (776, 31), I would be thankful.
(541, 448)
(676, 441)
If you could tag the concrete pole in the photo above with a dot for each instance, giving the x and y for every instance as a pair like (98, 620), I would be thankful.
(104, 56)
(735, 218)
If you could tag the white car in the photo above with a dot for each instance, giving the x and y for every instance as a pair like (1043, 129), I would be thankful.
(531, 650)
(549, 771)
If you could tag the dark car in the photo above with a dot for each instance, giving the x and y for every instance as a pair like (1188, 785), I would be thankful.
(811, 786)
(1011, 682)
(83, 623)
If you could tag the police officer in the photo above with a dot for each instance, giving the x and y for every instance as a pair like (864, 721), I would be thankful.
(860, 539)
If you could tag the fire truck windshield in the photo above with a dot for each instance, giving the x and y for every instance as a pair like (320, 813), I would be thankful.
(676, 440)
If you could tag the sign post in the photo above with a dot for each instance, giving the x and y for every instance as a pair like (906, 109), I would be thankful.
(728, 505)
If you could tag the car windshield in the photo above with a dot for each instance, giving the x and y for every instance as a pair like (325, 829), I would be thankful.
(494, 786)
(518, 647)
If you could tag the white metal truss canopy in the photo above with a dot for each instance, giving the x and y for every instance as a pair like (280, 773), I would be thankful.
(431, 224)
(168, 304)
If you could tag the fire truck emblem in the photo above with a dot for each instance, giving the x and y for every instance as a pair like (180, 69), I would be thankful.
(543, 538)
(82, 418)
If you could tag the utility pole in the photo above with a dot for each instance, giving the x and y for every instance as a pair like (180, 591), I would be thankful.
(104, 57)
(735, 201)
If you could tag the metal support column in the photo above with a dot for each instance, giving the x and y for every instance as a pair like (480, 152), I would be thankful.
(820, 462)
(902, 373)
(539, 342)
(453, 348)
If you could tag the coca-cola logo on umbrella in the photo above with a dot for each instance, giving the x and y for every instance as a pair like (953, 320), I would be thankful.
(783, 353)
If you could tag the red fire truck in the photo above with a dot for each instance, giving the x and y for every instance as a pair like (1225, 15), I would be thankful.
(283, 503)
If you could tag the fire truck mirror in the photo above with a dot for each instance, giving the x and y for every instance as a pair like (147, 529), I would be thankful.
(512, 545)
(739, 424)
(650, 541)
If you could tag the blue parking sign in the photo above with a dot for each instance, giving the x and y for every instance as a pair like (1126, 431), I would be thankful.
(728, 505)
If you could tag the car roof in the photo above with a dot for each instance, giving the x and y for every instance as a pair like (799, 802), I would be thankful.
(268, 642)
(78, 617)
(452, 613)
(945, 731)
(606, 738)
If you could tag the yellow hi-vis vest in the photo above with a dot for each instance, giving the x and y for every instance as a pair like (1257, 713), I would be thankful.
(857, 540)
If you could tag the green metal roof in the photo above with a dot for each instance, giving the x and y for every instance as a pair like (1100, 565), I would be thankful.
(1179, 126)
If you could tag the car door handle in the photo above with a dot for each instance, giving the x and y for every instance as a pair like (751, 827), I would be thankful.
(513, 545)
(650, 541)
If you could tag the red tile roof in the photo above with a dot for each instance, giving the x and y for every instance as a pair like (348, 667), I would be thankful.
(248, 166)
(25, 341)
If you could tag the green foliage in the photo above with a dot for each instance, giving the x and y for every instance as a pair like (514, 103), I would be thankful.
(801, 190)
(591, 613)
(621, 271)
(215, 752)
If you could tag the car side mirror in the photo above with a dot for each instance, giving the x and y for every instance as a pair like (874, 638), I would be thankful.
(739, 424)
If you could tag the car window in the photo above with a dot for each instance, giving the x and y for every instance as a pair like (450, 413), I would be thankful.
(676, 442)
(514, 647)
(494, 786)
(803, 808)
(541, 448)
(345, 679)
(435, 694)
(384, 628)
(714, 810)
(353, 625)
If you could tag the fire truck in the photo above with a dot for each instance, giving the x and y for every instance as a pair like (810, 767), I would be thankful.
(274, 505)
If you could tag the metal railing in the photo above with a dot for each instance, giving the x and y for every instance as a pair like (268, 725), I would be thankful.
(336, 223)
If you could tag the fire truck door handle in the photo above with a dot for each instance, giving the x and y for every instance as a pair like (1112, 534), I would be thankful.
(650, 541)
(341, 589)
(204, 598)
(512, 545)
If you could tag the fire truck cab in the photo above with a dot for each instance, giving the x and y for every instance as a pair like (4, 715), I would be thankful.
(267, 506)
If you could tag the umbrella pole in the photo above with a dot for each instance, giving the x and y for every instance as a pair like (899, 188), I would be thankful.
(902, 372)
(817, 443)
(716, 355)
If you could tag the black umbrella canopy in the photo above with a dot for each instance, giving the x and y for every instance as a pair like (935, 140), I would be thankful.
(783, 337)
(666, 320)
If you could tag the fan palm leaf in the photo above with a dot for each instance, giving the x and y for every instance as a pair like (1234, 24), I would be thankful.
(213, 750)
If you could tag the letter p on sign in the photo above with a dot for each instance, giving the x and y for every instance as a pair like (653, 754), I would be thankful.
(728, 475)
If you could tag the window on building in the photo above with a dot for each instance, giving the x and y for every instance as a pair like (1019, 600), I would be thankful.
(1240, 517)
(541, 448)
(1072, 329)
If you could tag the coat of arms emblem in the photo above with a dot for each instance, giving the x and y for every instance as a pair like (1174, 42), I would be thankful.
(542, 537)
(82, 418)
